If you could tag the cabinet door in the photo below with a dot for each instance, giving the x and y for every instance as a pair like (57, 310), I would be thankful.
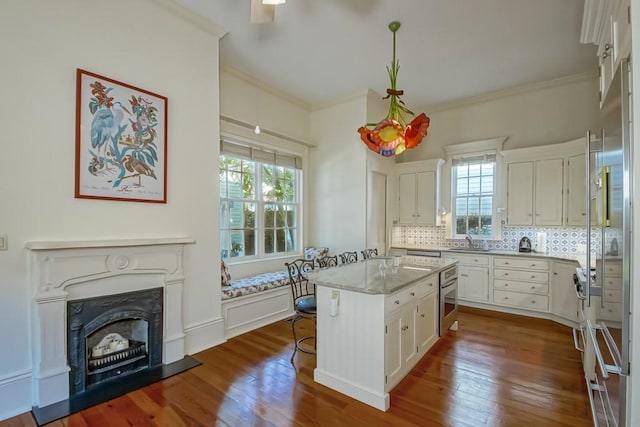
(426, 198)
(393, 349)
(408, 337)
(564, 302)
(576, 190)
(520, 193)
(473, 283)
(407, 198)
(548, 192)
(427, 322)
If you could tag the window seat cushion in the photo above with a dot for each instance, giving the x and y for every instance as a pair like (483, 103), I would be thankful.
(257, 283)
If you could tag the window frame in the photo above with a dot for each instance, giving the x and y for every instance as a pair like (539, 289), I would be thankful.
(261, 202)
(476, 149)
(494, 199)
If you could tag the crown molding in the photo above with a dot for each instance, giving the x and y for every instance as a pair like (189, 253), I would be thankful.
(263, 86)
(359, 94)
(512, 91)
(175, 8)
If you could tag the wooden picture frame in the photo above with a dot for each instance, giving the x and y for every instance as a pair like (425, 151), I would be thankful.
(121, 141)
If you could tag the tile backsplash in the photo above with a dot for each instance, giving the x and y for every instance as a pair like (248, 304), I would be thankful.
(560, 240)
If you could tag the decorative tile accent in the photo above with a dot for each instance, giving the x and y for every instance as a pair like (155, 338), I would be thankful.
(560, 240)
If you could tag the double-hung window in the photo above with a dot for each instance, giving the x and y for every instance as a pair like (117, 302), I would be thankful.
(260, 213)
(474, 190)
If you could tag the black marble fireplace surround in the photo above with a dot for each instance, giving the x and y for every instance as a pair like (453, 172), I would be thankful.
(137, 316)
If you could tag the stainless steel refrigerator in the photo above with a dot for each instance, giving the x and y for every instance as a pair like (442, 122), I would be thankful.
(607, 302)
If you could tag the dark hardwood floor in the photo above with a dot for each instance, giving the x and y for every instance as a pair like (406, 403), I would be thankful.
(496, 370)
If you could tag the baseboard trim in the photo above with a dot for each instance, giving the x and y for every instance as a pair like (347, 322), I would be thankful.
(371, 398)
(204, 335)
(519, 312)
(15, 394)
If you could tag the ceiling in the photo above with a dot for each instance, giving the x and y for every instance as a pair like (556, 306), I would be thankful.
(320, 51)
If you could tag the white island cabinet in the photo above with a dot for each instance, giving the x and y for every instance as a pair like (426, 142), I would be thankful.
(379, 325)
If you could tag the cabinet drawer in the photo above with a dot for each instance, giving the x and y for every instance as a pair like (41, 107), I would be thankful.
(527, 263)
(516, 299)
(611, 311)
(613, 283)
(514, 286)
(525, 276)
(611, 269)
(427, 286)
(400, 298)
(612, 296)
(471, 259)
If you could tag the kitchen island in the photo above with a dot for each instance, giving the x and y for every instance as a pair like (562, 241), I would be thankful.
(375, 323)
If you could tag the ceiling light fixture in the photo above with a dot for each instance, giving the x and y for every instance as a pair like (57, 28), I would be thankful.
(392, 135)
(273, 1)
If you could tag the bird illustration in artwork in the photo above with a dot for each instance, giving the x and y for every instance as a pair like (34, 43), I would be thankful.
(101, 129)
(138, 167)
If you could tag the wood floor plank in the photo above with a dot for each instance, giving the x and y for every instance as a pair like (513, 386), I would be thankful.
(496, 370)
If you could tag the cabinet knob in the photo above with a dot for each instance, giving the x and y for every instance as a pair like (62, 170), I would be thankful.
(604, 55)
(422, 315)
(506, 263)
(506, 274)
(506, 298)
(475, 260)
(413, 294)
(533, 276)
(607, 47)
(506, 284)
(533, 301)
(533, 265)
(583, 214)
(533, 288)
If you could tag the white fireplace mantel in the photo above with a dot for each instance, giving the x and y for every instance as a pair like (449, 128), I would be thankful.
(61, 271)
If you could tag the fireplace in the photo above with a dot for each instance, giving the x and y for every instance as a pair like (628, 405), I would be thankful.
(112, 336)
(103, 309)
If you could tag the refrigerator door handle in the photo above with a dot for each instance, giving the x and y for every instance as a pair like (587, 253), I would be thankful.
(587, 290)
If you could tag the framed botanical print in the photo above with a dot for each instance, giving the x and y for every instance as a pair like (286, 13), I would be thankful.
(121, 141)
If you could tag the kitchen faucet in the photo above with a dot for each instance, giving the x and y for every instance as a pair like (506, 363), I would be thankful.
(470, 240)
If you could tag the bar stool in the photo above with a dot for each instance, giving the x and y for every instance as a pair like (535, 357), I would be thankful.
(304, 301)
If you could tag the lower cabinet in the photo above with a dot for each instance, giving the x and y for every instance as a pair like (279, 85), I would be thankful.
(473, 277)
(473, 283)
(410, 329)
(564, 301)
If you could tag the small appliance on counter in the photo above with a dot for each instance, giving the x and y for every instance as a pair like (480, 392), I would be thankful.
(524, 245)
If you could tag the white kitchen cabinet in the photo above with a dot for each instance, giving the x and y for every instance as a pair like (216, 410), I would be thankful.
(473, 283)
(564, 302)
(419, 192)
(535, 192)
(393, 357)
(426, 321)
(576, 190)
(521, 282)
(417, 198)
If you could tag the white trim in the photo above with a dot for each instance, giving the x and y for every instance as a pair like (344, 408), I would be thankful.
(199, 21)
(249, 312)
(473, 147)
(563, 149)
(204, 335)
(370, 397)
(80, 244)
(513, 91)
(520, 311)
(225, 68)
(247, 129)
(15, 394)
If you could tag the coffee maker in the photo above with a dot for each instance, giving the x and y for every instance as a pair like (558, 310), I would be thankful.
(524, 245)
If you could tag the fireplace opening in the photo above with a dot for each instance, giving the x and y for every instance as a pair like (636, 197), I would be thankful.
(113, 336)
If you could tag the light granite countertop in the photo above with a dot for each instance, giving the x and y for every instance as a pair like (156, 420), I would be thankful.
(369, 278)
(580, 258)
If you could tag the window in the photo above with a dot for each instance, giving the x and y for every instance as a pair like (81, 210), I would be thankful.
(259, 205)
(474, 196)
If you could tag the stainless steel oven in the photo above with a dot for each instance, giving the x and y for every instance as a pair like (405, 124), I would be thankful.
(448, 299)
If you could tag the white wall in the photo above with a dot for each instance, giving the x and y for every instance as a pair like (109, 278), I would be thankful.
(541, 114)
(337, 186)
(140, 43)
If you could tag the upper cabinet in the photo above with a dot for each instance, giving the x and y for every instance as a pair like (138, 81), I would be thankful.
(607, 24)
(419, 192)
(534, 192)
(545, 185)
